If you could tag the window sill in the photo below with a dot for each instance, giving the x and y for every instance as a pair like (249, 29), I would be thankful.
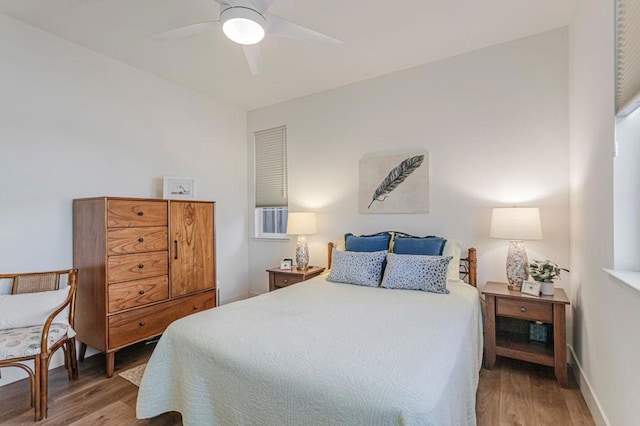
(271, 239)
(629, 279)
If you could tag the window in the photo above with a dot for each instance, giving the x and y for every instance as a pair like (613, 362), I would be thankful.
(271, 183)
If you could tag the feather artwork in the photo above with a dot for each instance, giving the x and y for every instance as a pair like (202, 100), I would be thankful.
(396, 177)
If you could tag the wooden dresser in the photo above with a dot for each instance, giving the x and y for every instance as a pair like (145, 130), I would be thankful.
(143, 263)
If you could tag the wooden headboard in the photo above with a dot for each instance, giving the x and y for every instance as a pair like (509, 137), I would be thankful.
(468, 265)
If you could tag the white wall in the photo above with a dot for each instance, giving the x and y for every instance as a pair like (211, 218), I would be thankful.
(606, 314)
(75, 123)
(495, 123)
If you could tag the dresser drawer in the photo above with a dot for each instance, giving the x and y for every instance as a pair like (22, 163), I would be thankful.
(193, 304)
(132, 267)
(126, 213)
(136, 240)
(141, 324)
(131, 294)
(525, 309)
(283, 280)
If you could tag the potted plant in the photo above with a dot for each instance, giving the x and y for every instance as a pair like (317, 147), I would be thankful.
(545, 272)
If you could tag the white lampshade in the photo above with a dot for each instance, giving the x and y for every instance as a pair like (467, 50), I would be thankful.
(301, 223)
(516, 223)
(243, 25)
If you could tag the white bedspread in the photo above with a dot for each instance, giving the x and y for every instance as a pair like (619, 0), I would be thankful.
(318, 353)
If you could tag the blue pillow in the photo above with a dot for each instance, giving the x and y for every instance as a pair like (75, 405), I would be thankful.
(367, 243)
(427, 246)
(416, 272)
(352, 267)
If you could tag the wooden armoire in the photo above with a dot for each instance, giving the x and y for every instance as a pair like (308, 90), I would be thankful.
(142, 264)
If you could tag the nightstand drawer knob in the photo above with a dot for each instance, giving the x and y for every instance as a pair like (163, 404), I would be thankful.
(141, 240)
(140, 213)
(141, 324)
(523, 309)
(285, 281)
(141, 292)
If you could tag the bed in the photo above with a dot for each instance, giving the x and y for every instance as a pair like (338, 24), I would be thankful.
(319, 353)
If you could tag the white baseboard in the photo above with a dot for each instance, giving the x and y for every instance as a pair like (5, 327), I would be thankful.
(234, 298)
(599, 417)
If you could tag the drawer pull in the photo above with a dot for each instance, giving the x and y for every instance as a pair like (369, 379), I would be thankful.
(141, 266)
(140, 213)
(141, 292)
(523, 309)
(285, 281)
(195, 308)
(175, 251)
(141, 323)
(141, 240)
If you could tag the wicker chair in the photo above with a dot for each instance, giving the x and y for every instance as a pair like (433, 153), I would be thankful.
(39, 342)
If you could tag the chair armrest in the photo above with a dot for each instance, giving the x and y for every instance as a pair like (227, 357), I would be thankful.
(69, 301)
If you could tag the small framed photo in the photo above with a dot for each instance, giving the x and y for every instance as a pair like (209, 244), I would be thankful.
(532, 288)
(286, 264)
(179, 188)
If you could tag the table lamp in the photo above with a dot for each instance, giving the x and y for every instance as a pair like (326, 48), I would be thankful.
(301, 224)
(516, 224)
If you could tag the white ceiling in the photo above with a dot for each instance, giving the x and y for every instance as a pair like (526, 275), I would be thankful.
(380, 37)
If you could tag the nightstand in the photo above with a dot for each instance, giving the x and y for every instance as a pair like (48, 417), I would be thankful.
(279, 278)
(506, 311)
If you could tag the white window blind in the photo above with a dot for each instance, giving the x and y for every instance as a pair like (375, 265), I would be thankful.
(628, 56)
(271, 167)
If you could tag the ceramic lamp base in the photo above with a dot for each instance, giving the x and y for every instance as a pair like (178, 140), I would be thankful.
(302, 253)
(517, 265)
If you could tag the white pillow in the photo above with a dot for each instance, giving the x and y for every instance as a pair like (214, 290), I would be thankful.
(453, 248)
(24, 310)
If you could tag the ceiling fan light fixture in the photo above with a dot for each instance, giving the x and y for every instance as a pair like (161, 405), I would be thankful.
(243, 25)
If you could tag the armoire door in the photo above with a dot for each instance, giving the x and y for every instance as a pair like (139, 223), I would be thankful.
(192, 247)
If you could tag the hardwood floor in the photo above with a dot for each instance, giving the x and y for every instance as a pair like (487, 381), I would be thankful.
(519, 393)
(513, 393)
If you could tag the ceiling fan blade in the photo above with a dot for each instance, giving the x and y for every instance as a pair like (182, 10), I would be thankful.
(227, 2)
(186, 31)
(267, 4)
(254, 58)
(281, 27)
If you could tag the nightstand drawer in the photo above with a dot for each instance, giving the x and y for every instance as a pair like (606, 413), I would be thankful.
(525, 309)
(283, 280)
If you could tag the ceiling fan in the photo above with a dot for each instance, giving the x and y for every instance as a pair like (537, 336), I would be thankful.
(246, 22)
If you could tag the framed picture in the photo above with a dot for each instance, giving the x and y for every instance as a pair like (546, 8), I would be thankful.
(180, 188)
(286, 264)
(394, 183)
(532, 288)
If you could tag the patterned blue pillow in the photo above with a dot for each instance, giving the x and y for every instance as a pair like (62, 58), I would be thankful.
(428, 246)
(360, 268)
(369, 243)
(417, 272)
